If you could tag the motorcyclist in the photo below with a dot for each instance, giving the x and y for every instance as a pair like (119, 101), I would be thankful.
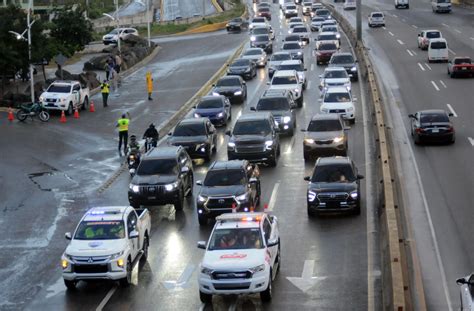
(134, 148)
(152, 133)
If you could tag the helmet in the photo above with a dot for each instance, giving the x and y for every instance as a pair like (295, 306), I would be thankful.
(152, 125)
(133, 137)
(124, 115)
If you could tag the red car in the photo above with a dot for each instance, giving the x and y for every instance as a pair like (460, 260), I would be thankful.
(460, 66)
(324, 52)
(264, 12)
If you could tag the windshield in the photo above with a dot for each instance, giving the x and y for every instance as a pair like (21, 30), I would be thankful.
(274, 103)
(433, 34)
(297, 67)
(240, 62)
(337, 98)
(57, 88)
(377, 15)
(259, 31)
(433, 118)
(462, 61)
(264, 9)
(327, 37)
(284, 80)
(322, 12)
(291, 7)
(196, 129)
(114, 32)
(327, 47)
(258, 20)
(100, 230)
(226, 177)
(257, 127)
(262, 38)
(444, 1)
(157, 166)
(329, 29)
(211, 103)
(280, 57)
(237, 20)
(335, 74)
(299, 29)
(342, 59)
(340, 173)
(253, 52)
(236, 238)
(317, 19)
(324, 126)
(437, 45)
(291, 46)
(292, 38)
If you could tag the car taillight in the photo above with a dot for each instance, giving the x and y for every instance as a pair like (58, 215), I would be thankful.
(450, 129)
(420, 130)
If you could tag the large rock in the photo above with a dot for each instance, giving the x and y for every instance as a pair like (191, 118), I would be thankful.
(87, 78)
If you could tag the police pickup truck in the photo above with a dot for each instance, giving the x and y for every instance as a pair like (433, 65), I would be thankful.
(66, 96)
(242, 256)
(106, 245)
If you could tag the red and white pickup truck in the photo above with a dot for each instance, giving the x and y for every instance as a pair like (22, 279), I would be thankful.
(460, 66)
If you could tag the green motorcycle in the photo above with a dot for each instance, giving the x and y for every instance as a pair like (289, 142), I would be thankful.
(32, 110)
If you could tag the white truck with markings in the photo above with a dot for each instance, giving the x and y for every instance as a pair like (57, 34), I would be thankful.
(106, 245)
(65, 96)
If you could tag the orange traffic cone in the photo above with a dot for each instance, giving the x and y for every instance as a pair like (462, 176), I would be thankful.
(10, 114)
(76, 114)
(63, 117)
(92, 107)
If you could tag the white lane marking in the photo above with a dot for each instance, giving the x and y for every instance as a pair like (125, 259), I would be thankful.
(233, 306)
(383, 27)
(445, 25)
(428, 66)
(404, 20)
(457, 30)
(414, 26)
(273, 197)
(391, 33)
(182, 281)
(471, 140)
(451, 51)
(106, 298)
(472, 38)
(394, 15)
(443, 84)
(400, 41)
(290, 147)
(308, 86)
(409, 52)
(414, 53)
(312, 67)
(434, 84)
(202, 307)
(421, 67)
(452, 110)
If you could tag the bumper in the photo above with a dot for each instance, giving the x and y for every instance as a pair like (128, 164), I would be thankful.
(332, 207)
(286, 128)
(325, 150)
(256, 157)
(55, 106)
(323, 58)
(212, 213)
(376, 23)
(255, 284)
(441, 138)
(139, 199)
(72, 276)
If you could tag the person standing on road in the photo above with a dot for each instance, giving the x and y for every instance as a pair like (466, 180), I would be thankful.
(105, 90)
(107, 70)
(149, 84)
(122, 125)
(118, 63)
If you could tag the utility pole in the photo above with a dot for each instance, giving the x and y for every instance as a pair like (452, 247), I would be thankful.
(148, 21)
(118, 24)
(28, 18)
(203, 8)
(359, 20)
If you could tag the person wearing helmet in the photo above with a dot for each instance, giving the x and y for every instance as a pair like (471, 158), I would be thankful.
(151, 135)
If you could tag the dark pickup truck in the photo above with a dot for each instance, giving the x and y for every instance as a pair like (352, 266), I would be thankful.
(460, 66)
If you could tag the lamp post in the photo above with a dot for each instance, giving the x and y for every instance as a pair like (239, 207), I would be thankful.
(116, 19)
(148, 21)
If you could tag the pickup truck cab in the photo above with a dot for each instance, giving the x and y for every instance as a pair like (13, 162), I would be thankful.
(460, 66)
(107, 243)
(65, 96)
(242, 256)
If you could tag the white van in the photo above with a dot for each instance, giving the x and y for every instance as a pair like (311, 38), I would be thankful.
(350, 5)
(402, 4)
(438, 50)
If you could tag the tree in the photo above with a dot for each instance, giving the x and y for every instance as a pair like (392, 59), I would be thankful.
(70, 31)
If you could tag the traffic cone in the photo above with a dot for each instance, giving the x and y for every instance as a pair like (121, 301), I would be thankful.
(92, 107)
(63, 117)
(76, 114)
(265, 207)
(10, 114)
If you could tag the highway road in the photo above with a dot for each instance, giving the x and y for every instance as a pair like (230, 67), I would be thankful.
(436, 180)
(48, 189)
(186, 8)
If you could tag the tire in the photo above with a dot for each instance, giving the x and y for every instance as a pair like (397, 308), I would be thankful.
(300, 101)
(70, 285)
(146, 243)
(306, 156)
(85, 104)
(452, 75)
(352, 121)
(273, 161)
(205, 298)
(202, 220)
(190, 187)
(126, 281)
(21, 115)
(291, 132)
(312, 213)
(208, 156)
(266, 295)
(43, 116)
(70, 109)
(179, 203)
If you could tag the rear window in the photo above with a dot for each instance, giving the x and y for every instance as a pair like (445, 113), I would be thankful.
(324, 126)
(274, 103)
(377, 15)
(280, 57)
(433, 118)
(438, 45)
(433, 34)
(291, 46)
(462, 61)
(264, 10)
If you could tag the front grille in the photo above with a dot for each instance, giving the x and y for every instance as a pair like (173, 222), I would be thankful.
(221, 202)
(335, 84)
(232, 286)
(333, 196)
(324, 142)
(90, 259)
(277, 119)
(337, 110)
(94, 268)
(227, 93)
(50, 100)
(226, 275)
(250, 148)
(151, 190)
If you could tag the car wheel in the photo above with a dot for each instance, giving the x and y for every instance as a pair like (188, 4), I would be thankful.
(208, 156)
(85, 105)
(70, 109)
(202, 220)
(452, 75)
(266, 295)
(272, 162)
(146, 243)
(291, 132)
(126, 281)
(70, 285)
(352, 121)
(416, 139)
(306, 156)
(205, 298)
(179, 203)
(300, 101)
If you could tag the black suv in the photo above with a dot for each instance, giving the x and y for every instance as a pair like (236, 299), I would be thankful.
(198, 136)
(347, 61)
(280, 103)
(164, 176)
(227, 185)
(255, 138)
(334, 186)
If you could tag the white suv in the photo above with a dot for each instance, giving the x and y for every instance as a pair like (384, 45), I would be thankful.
(288, 80)
(339, 100)
(242, 256)
(376, 19)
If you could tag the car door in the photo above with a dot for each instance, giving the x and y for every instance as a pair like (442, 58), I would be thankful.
(132, 222)
(269, 234)
(415, 122)
(76, 93)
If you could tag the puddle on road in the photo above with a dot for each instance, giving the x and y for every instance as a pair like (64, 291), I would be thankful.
(52, 181)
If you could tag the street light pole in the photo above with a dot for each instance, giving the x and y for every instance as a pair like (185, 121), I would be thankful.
(148, 21)
(32, 83)
(359, 20)
(118, 24)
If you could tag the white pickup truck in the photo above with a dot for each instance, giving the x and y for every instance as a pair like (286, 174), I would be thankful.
(107, 243)
(66, 96)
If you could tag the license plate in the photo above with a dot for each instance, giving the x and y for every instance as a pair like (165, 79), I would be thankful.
(151, 198)
(435, 131)
(464, 68)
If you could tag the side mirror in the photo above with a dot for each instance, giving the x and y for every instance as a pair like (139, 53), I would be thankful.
(133, 234)
(306, 69)
(194, 107)
(228, 65)
(170, 133)
(214, 85)
(268, 82)
(451, 114)
(244, 83)
(354, 99)
(307, 178)
(272, 242)
(419, 35)
(199, 182)
(347, 128)
(68, 236)
(461, 281)
(273, 218)
(228, 133)
(412, 116)
(356, 61)
(320, 76)
(201, 244)
(360, 176)
(253, 109)
(303, 130)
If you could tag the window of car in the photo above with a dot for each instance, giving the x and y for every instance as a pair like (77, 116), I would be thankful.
(291, 7)
(327, 47)
(327, 37)
(280, 57)
(262, 38)
(211, 103)
(279, 80)
(241, 62)
(462, 61)
(258, 20)
(333, 173)
(433, 34)
(317, 19)
(291, 46)
(329, 29)
(190, 129)
(131, 222)
(292, 38)
(252, 127)
(264, 9)
(236, 238)
(324, 126)
(335, 74)
(338, 97)
(433, 118)
(322, 12)
(437, 45)
(228, 177)
(342, 59)
(297, 67)
(377, 15)
(59, 88)
(273, 103)
(228, 82)
(100, 230)
(299, 29)
(260, 31)
(157, 166)
(253, 52)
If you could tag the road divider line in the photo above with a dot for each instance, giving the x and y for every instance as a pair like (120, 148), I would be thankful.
(451, 51)
(202, 307)
(452, 110)
(457, 30)
(233, 306)
(434, 84)
(428, 66)
(443, 84)
(394, 15)
(414, 26)
(409, 52)
(421, 67)
(312, 67)
(384, 28)
(309, 85)
(273, 197)
(472, 38)
(400, 41)
(471, 140)
(445, 25)
(106, 298)
(390, 33)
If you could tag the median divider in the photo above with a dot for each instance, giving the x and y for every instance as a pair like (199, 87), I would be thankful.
(395, 282)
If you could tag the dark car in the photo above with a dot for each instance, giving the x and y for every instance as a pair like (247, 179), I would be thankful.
(325, 136)
(432, 126)
(236, 25)
(197, 136)
(325, 13)
(164, 176)
(262, 41)
(279, 103)
(293, 38)
(255, 138)
(334, 187)
(216, 108)
(324, 52)
(245, 68)
(264, 12)
(347, 61)
(295, 50)
(228, 185)
(232, 87)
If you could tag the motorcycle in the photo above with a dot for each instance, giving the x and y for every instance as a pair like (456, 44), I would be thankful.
(133, 160)
(150, 142)
(32, 110)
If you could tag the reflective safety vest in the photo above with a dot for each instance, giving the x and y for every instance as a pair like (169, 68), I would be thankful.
(105, 88)
(123, 124)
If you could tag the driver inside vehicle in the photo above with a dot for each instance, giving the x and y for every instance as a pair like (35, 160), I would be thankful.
(228, 241)
(251, 240)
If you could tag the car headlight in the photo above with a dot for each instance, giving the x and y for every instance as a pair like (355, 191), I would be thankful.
(252, 38)
(354, 68)
(172, 186)
(134, 188)
(269, 144)
(338, 139)
(238, 93)
(206, 271)
(201, 199)
(247, 70)
(242, 197)
(350, 109)
(311, 196)
(231, 145)
(354, 195)
(324, 110)
(41, 98)
(64, 263)
(300, 75)
(338, 36)
(299, 53)
(215, 94)
(220, 114)
(262, 58)
(296, 91)
(309, 141)
(116, 255)
(197, 115)
(286, 119)
(257, 269)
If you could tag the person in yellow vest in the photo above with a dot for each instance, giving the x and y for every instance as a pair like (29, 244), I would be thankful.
(149, 84)
(122, 125)
(105, 89)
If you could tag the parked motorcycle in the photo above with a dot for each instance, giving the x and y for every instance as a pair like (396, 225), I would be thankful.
(32, 110)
